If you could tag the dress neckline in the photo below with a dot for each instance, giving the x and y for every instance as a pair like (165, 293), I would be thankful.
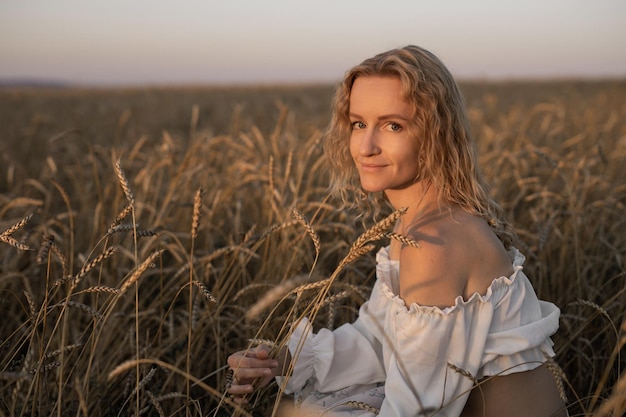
(386, 279)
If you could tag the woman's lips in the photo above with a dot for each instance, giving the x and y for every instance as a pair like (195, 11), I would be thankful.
(369, 167)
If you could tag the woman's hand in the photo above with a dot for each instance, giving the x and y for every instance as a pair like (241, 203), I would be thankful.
(253, 369)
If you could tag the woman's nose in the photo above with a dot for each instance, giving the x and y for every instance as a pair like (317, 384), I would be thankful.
(369, 143)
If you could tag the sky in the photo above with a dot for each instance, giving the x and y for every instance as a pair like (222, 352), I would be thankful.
(148, 42)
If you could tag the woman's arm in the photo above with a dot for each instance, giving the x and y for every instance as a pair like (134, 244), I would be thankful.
(349, 355)
(332, 360)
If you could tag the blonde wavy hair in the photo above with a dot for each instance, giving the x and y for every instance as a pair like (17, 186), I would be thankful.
(447, 154)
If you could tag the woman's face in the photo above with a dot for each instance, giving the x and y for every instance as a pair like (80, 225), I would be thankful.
(380, 144)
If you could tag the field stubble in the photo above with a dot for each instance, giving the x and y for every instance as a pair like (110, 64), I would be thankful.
(149, 233)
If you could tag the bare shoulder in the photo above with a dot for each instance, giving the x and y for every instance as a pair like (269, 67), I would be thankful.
(458, 256)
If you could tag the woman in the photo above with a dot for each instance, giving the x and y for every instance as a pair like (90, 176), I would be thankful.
(453, 327)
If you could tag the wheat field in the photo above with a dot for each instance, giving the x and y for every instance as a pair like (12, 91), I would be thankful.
(146, 234)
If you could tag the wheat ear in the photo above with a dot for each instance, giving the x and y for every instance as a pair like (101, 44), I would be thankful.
(120, 217)
(124, 182)
(17, 226)
(6, 235)
(94, 262)
(140, 270)
(197, 207)
(205, 291)
(309, 229)
(405, 240)
(155, 403)
(44, 250)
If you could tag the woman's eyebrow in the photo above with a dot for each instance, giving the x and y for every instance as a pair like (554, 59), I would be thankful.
(383, 117)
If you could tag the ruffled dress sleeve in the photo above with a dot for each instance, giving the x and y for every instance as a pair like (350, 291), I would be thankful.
(333, 360)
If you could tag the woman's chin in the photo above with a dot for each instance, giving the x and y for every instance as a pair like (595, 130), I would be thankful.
(369, 189)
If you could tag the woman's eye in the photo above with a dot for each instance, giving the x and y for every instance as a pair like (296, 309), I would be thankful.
(358, 125)
(394, 127)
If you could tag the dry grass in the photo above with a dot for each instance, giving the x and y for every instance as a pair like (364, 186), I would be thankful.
(147, 234)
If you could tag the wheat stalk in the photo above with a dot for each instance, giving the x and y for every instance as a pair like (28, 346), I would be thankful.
(330, 302)
(93, 263)
(259, 341)
(84, 307)
(140, 270)
(17, 226)
(131, 227)
(124, 182)
(170, 395)
(13, 242)
(226, 249)
(407, 241)
(144, 381)
(155, 403)
(60, 281)
(64, 195)
(8, 239)
(55, 249)
(287, 169)
(272, 229)
(379, 229)
(249, 288)
(249, 234)
(615, 405)
(335, 297)
(270, 175)
(276, 293)
(47, 367)
(31, 303)
(310, 286)
(594, 306)
(355, 253)
(461, 371)
(101, 288)
(44, 250)
(205, 291)
(197, 207)
(120, 217)
(358, 290)
(309, 229)
(20, 202)
(54, 353)
(558, 375)
(359, 405)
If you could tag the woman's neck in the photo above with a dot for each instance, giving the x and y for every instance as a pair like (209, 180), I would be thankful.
(420, 199)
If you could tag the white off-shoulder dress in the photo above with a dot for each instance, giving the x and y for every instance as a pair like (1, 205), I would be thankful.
(420, 360)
